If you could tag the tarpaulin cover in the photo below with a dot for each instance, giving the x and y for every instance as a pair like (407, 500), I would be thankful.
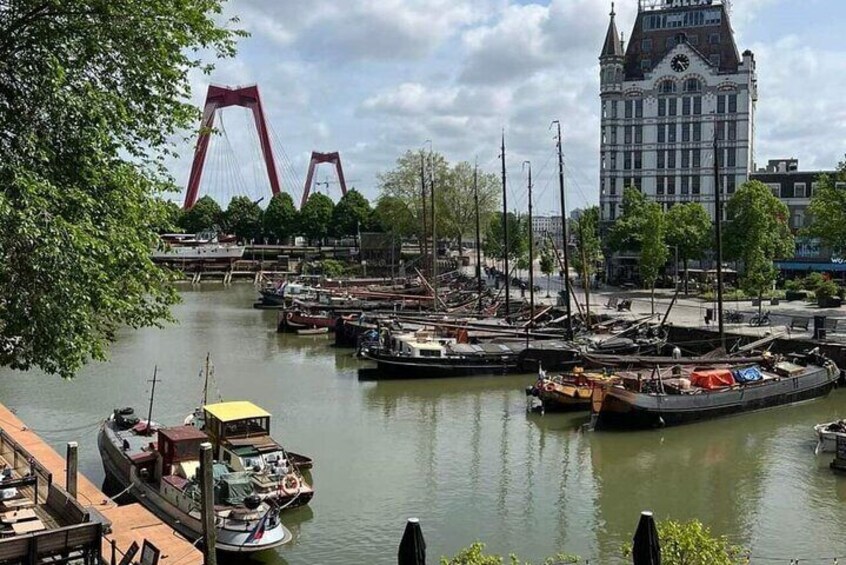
(747, 375)
(715, 378)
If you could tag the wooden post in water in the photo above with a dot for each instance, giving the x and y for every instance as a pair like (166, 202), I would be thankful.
(207, 504)
(72, 461)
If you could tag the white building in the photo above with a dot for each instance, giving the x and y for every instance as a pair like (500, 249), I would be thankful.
(547, 225)
(662, 95)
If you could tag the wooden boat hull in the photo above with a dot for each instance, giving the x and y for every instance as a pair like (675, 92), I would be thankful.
(394, 367)
(622, 408)
(291, 321)
(312, 331)
(301, 462)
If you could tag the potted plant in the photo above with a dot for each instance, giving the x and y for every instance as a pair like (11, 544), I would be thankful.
(827, 295)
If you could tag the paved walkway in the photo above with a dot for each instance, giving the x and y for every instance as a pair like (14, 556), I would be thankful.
(130, 522)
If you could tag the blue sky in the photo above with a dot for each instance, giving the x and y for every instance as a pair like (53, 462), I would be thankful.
(373, 78)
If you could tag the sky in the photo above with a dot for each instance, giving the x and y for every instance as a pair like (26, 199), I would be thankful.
(375, 78)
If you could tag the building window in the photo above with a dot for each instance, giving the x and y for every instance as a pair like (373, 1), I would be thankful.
(697, 158)
(732, 103)
(659, 186)
(799, 190)
(612, 210)
(693, 39)
(721, 104)
(645, 64)
(638, 135)
(840, 185)
(671, 159)
(613, 135)
(629, 108)
(685, 132)
(732, 130)
(660, 164)
(685, 185)
(692, 85)
(614, 110)
(721, 130)
(613, 161)
(697, 131)
(661, 133)
(694, 185)
(798, 219)
(731, 157)
(671, 185)
(697, 105)
(613, 189)
(814, 187)
(638, 160)
(685, 106)
(671, 133)
(685, 159)
(646, 45)
(627, 160)
(715, 59)
(638, 108)
(605, 109)
(731, 184)
(714, 38)
(667, 87)
(662, 106)
(673, 104)
(775, 187)
(627, 135)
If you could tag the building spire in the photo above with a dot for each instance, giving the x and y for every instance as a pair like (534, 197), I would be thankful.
(612, 46)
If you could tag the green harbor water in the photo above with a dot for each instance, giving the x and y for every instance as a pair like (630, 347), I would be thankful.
(463, 455)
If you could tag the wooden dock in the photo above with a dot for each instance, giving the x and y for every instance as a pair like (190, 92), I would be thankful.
(129, 523)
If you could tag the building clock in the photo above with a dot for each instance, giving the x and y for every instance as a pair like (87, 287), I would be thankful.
(680, 63)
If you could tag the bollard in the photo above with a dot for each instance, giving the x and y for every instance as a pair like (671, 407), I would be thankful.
(71, 469)
(207, 504)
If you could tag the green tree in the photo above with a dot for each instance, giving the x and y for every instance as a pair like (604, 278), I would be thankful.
(392, 215)
(547, 264)
(243, 218)
(280, 217)
(691, 543)
(168, 216)
(475, 555)
(204, 215)
(518, 238)
(653, 249)
(689, 228)
(828, 210)
(351, 214)
(93, 93)
(585, 231)
(316, 217)
(456, 206)
(627, 231)
(756, 234)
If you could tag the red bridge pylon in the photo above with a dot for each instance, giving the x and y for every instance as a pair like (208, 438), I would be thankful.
(316, 159)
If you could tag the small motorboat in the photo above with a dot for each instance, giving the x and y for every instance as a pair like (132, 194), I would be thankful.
(568, 391)
(827, 434)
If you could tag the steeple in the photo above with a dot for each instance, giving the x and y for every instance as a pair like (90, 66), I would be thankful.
(612, 46)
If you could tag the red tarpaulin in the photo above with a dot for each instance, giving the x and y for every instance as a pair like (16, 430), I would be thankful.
(715, 378)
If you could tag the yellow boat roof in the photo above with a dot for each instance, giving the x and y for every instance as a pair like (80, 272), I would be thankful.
(236, 410)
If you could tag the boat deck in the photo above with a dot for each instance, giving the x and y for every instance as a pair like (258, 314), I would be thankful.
(129, 523)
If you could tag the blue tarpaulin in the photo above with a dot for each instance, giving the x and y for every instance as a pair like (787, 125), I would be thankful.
(747, 375)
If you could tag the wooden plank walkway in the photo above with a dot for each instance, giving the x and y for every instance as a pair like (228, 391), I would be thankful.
(131, 522)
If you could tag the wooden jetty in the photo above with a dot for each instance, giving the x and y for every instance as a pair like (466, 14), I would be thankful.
(130, 525)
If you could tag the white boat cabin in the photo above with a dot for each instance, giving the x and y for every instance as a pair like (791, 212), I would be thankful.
(422, 343)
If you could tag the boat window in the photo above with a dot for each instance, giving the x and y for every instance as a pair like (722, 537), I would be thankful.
(430, 353)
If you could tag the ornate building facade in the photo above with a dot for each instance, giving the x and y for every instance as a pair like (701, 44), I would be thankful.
(679, 82)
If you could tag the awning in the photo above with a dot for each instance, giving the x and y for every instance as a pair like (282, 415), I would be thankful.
(799, 266)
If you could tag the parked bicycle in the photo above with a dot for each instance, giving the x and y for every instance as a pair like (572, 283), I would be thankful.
(759, 320)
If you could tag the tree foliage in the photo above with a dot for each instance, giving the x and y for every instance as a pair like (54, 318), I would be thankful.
(626, 233)
(690, 230)
(456, 206)
(757, 233)
(316, 217)
(243, 218)
(280, 218)
(91, 94)
(653, 249)
(350, 214)
(403, 183)
(169, 216)
(475, 555)
(691, 543)
(204, 215)
(585, 230)
(518, 237)
(828, 210)
(391, 214)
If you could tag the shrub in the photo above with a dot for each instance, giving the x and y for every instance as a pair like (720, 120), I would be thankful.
(813, 281)
(793, 285)
(826, 289)
(691, 543)
(475, 555)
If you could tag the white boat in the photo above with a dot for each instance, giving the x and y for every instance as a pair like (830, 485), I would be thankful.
(827, 435)
(205, 252)
(159, 466)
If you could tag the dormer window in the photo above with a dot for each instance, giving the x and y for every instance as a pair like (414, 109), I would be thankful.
(667, 87)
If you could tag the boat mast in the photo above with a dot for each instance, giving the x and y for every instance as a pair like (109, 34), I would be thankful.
(152, 396)
(505, 233)
(424, 252)
(206, 383)
(478, 236)
(564, 238)
(718, 224)
(531, 253)
(434, 232)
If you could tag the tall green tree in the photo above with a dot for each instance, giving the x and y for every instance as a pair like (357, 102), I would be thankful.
(392, 215)
(585, 231)
(204, 215)
(91, 95)
(757, 233)
(627, 231)
(280, 217)
(456, 206)
(653, 249)
(690, 230)
(828, 210)
(243, 217)
(518, 238)
(169, 214)
(350, 214)
(316, 217)
(547, 263)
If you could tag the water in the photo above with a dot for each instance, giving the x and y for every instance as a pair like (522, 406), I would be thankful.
(461, 454)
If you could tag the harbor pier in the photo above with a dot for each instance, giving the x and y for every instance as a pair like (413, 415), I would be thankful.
(122, 527)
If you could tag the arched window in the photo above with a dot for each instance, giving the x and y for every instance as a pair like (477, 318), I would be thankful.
(667, 86)
(692, 85)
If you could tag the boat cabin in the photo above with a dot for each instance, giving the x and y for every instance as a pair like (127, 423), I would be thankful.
(179, 449)
(422, 343)
(240, 431)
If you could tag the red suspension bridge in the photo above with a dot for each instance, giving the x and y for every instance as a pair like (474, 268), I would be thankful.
(227, 172)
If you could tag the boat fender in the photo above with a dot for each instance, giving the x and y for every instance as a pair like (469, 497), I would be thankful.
(548, 387)
(289, 315)
(290, 484)
(252, 502)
